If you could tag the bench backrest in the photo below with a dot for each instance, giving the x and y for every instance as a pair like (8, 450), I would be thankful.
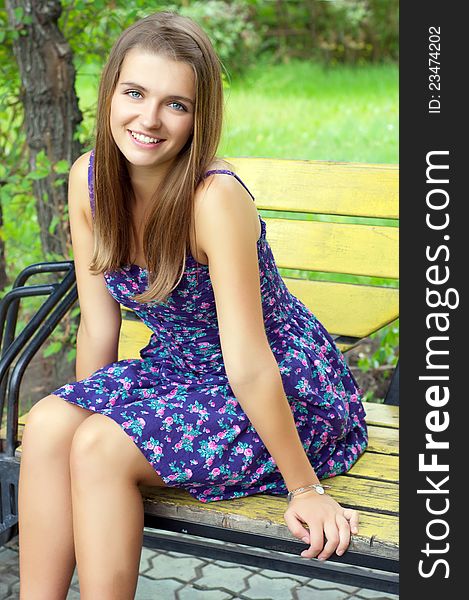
(333, 229)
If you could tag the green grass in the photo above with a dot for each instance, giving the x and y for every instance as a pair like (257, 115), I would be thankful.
(304, 111)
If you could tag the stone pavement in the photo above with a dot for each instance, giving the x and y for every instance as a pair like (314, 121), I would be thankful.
(173, 576)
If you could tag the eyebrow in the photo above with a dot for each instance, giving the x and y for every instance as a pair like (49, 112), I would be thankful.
(137, 85)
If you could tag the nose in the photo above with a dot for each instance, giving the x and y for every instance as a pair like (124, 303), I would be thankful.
(151, 116)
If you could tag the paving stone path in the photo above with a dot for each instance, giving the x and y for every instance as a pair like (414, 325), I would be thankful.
(173, 576)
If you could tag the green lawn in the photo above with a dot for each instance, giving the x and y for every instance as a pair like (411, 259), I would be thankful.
(304, 111)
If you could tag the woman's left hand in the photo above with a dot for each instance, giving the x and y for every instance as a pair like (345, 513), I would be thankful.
(324, 517)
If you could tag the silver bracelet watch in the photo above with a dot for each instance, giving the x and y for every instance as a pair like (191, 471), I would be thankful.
(318, 487)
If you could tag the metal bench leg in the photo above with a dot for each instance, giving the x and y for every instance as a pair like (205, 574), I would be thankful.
(9, 476)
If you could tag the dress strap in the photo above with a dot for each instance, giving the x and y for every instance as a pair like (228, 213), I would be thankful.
(227, 172)
(91, 181)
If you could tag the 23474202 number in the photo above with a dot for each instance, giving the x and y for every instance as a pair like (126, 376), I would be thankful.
(434, 51)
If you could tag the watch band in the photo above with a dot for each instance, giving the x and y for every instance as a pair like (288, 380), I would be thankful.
(317, 487)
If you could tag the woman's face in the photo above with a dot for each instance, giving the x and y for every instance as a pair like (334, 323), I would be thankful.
(152, 109)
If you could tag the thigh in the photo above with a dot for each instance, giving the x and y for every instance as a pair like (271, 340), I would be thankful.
(51, 424)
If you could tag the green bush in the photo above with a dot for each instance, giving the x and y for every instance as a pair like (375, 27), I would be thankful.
(230, 28)
(388, 351)
(331, 31)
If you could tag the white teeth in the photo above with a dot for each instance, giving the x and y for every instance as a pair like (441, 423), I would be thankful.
(144, 138)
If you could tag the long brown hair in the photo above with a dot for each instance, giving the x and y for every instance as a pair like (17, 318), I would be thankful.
(167, 230)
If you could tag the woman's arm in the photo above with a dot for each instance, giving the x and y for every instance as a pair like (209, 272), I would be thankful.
(227, 230)
(100, 317)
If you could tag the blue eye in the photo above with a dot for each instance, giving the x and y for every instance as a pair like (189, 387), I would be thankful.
(180, 106)
(133, 92)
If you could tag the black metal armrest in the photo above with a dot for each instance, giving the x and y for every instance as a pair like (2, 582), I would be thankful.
(60, 298)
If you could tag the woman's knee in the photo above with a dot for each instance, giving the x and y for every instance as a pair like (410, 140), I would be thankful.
(51, 424)
(98, 447)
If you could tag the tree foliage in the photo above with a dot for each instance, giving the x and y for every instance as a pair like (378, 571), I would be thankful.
(329, 31)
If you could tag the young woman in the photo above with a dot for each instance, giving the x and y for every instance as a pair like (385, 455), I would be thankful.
(240, 389)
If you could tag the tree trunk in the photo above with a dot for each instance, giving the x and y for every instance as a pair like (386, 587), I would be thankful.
(50, 106)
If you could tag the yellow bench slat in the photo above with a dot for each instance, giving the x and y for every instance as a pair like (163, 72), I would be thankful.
(383, 467)
(354, 189)
(134, 335)
(361, 493)
(346, 308)
(263, 515)
(383, 440)
(335, 247)
(382, 414)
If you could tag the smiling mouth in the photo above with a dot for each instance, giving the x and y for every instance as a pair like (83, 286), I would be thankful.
(145, 139)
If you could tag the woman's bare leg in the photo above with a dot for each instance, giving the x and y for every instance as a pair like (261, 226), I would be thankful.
(106, 470)
(46, 547)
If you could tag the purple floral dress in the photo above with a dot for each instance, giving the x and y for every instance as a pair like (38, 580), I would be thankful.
(175, 401)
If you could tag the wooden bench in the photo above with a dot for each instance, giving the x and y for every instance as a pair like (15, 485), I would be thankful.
(333, 230)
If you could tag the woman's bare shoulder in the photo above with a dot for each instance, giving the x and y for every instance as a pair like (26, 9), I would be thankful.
(78, 186)
(79, 170)
(218, 164)
(80, 167)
